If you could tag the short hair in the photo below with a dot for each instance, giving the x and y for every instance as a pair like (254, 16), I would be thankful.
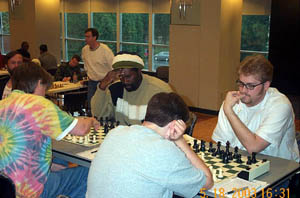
(43, 48)
(10, 55)
(77, 57)
(94, 32)
(257, 65)
(27, 75)
(166, 107)
(24, 43)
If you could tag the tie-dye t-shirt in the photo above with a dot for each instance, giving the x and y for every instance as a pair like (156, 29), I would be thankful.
(27, 124)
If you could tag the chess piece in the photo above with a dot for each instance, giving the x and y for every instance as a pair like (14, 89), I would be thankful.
(227, 147)
(239, 159)
(218, 148)
(86, 140)
(253, 160)
(202, 146)
(249, 161)
(195, 145)
(214, 173)
(94, 139)
(236, 150)
(211, 168)
(220, 175)
(210, 147)
(69, 137)
(101, 121)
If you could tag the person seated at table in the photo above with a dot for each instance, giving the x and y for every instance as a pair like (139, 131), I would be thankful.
(28, 122)
(149, 160)
(24, 51)
(127, 99)
(48, 60)
(69, 71)
(257, 117)
(12, 60)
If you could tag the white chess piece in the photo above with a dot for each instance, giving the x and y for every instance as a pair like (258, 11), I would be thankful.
(220, 175)
(94, 139)
(80, 140)
(202, 156)
(74, 139)
(214, 175)
(69, 137)
(86, 139)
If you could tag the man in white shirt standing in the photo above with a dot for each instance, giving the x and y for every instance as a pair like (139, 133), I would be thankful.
(97, 58)
(257, 118)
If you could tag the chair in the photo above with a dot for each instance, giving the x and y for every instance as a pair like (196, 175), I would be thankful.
(75, 102)
(7, 187)
(191, 124)
(162, 72)
(3, 81)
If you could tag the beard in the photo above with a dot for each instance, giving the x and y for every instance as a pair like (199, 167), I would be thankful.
(10, 71)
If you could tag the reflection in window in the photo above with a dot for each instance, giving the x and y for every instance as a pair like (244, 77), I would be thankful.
(255, 35)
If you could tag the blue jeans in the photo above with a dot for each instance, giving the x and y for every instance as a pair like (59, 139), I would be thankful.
(71, 182)
(92, 87)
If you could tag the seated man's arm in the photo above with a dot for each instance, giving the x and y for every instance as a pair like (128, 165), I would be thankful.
(177, 137)
(251, 141)
(59, 74)
(84, 125)
(101, 102)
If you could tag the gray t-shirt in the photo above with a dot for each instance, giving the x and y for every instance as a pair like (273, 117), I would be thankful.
(137, 162)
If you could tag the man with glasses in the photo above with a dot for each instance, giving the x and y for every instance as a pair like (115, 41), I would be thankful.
(257, 118)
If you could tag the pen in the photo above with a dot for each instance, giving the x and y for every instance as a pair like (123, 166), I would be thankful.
(94, 151)
(238, 189)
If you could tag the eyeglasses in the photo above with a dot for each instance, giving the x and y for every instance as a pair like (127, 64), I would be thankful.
(248, 86)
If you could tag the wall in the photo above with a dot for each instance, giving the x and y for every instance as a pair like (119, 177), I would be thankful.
(36, 21)
(203, 59)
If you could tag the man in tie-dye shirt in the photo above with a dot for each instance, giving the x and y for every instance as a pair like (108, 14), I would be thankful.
(28, 121)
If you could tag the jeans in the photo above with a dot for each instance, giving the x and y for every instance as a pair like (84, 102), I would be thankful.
(92, 87)
(71, 182)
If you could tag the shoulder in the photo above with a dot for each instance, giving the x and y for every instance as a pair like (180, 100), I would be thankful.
(85, 48)
(275, 98)
(156, 84)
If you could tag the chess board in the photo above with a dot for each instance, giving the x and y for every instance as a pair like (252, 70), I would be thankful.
(232, 168)
(93, 138)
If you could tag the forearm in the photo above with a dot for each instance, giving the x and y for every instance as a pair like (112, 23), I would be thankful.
(195, 160)
(248, 139)
(101, 105)
(83, 126)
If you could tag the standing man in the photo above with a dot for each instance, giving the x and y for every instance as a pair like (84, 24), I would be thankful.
(124, 93)
(48, 61)
(97, 58)
(257, 118)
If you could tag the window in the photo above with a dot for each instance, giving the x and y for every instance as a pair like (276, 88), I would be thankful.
(134, 34)
(160, 40)
(106, 24)
(255, 35)
(4, 33)
(75, 25)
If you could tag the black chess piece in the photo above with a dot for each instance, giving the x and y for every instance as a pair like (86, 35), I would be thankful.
(239, 159)
(210, 147)
(218, 148)
(249, 162)
(118, 123)
(253, 160)
(225, 158)
(105, 128)
(195, 146)
(101, 121)
(202, 146)
(236, 151)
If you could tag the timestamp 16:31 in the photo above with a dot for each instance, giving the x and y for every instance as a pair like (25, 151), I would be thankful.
(248, 193)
